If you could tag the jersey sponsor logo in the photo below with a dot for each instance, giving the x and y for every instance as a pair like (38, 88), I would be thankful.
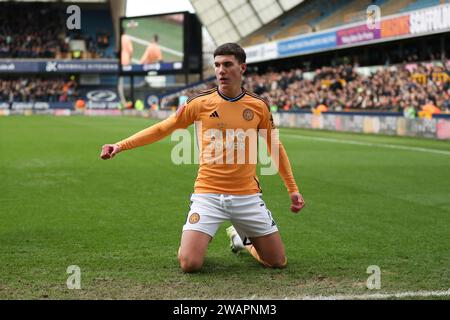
(248, 114)
(227, 146)
(194, 218)
(214, 115)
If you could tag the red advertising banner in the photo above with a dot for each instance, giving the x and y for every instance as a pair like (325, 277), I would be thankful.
(395, 27)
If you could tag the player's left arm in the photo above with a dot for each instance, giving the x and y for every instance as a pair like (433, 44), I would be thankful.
(281, 160)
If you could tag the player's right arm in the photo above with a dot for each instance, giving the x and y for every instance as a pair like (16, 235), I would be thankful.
(185, 116)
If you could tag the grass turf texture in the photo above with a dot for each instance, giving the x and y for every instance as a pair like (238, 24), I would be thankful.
(120, 220)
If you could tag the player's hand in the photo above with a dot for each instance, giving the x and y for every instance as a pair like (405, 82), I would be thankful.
(297, 202)
(109, 151)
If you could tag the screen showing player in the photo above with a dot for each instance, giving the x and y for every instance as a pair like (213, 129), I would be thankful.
(152, 43)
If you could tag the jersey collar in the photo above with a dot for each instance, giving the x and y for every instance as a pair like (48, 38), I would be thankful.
(231, 99)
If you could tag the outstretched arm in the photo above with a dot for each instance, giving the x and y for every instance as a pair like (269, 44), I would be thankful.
(182, 119)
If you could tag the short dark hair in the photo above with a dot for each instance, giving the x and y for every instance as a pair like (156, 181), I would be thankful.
(232, 49)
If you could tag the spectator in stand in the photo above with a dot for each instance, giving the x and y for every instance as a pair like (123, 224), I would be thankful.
(39, 31)
(36, 89)
(342, 88)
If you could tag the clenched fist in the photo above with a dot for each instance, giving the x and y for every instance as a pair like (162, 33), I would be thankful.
(297, 202)
(109, 151)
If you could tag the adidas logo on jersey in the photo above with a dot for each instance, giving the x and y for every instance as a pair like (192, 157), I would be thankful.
(214, 115)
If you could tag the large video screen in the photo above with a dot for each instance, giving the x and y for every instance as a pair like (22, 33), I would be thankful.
(152, 43)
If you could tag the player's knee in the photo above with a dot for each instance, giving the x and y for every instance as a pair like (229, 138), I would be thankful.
(189, 264)
(278, 263)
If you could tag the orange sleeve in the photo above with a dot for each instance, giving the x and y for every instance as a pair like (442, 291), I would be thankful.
(185, 116)
(282, 160)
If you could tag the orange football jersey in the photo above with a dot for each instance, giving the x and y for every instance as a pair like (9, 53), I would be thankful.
(227, 130)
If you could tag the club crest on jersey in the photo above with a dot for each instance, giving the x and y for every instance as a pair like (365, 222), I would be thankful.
(248, 114)
(194, 218)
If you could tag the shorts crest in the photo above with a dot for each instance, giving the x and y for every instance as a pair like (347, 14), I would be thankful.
(194, 218)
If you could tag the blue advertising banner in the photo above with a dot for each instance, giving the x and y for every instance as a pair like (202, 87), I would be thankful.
(81, 66)
(94, 97)
(37, 105)
(304, 44)
(142, 68)
(19, 66)
(58, 66)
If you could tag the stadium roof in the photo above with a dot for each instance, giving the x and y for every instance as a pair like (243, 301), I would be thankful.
(232, 20)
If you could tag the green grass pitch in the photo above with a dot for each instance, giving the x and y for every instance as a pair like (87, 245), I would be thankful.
(120, 220)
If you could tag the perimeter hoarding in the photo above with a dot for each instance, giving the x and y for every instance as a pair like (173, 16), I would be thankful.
(312, 43)
(58, 66)
(356, 34)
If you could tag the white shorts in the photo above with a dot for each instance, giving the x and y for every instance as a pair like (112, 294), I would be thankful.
(248, 214)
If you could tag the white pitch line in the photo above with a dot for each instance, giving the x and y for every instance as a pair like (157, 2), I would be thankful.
(408, 294)
(145, 43)
(368, 144)
(372, 296)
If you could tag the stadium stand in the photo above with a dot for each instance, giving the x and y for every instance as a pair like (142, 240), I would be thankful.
(41, 33)
(332, 15)
(38, 30)
(97, 27)
(296, 28)
(277, 28)
(312, 16)
(342, 88)
(416, 5)
(394, 6)
(35, 33)
(337, 16)
(346, 88)
(301, 18)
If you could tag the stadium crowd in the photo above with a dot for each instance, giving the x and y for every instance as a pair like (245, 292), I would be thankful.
(342, 88)
(40, 32)
(29, 34)
(345, 88)
(38, 90)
